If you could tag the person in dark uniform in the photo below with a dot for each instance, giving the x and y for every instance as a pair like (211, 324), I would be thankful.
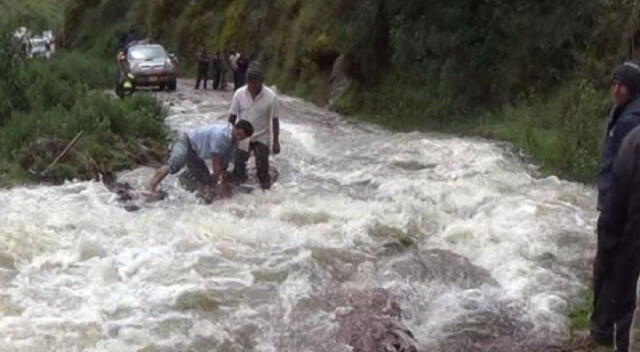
(203, 69)
(216, 70)
(243, 65)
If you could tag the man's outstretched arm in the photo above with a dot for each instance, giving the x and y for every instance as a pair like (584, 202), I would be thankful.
(160, 174)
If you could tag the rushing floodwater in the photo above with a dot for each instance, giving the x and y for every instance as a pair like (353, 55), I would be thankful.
(475, 252)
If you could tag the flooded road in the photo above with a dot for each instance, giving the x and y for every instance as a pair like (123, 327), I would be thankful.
(420, 241)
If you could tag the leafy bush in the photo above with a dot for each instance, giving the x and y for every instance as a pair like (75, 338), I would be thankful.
(48, 102)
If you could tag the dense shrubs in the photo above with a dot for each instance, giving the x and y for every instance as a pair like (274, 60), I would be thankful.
(47, 102)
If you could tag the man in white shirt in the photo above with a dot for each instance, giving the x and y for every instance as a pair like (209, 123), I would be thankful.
(257, 104)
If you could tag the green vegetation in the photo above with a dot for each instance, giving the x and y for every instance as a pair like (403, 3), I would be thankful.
(45, 103)
(533, 73)
(41, 14)
(580, 314)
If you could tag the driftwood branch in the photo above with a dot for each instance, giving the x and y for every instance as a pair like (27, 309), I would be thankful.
(63, 153)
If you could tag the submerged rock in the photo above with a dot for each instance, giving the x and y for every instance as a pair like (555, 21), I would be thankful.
(7, 261)
(364, 320)
(374, 324)
(438, 265)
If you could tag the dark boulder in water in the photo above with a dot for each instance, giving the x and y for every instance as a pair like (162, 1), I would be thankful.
(374, 324)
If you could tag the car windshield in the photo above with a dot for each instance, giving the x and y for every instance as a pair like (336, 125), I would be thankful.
(38, 43)
(147, 53)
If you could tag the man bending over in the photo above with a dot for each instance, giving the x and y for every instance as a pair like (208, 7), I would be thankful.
(215, 142)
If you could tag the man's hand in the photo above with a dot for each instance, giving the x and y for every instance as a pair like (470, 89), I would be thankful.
(276, 147)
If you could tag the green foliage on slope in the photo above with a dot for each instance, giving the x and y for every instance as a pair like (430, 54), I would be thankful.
(517, 70)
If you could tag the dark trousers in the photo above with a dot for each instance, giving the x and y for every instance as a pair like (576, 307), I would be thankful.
(603, 317)
(223, 80)
(626, 277)
(261, 154)
(216, 79)
(236, 80)
(202, 76)
(615, 275)
(239, 79)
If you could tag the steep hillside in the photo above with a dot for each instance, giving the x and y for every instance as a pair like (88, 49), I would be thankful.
(534, 73)
(41, 13)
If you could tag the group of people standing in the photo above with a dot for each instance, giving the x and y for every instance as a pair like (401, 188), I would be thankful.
(215, 68)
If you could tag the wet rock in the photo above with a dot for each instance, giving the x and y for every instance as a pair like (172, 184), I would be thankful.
(339, 80)
(395, 240)
(7, 262)
(177, 326)
(438, 265)
(412, 165)
(132, 207)
(203, 301)
(364, 320)
(373, 324)
(270, 275)
(342, 264)
(495, 329)
(305, 218)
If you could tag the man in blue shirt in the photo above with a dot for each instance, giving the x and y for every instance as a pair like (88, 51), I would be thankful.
(215, 142)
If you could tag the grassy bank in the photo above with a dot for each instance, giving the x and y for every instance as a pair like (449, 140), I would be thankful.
(48, 102)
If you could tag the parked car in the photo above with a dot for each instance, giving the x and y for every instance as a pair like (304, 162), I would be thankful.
(38, 47)
(145, 65)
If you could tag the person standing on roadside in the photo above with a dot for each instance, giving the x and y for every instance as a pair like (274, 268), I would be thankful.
(259, 105)
(608, 325)
(233, 58)
(224, 68)
(243, 65)
(203, 69)
(216, 70)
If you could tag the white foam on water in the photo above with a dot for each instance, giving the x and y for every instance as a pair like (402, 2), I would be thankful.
(241, 273)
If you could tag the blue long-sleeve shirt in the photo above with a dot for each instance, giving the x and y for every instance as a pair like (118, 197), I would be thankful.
(210, 140)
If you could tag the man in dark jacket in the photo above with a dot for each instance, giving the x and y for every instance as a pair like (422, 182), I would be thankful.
(625, 116)
(619, 223)
(203, 69)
